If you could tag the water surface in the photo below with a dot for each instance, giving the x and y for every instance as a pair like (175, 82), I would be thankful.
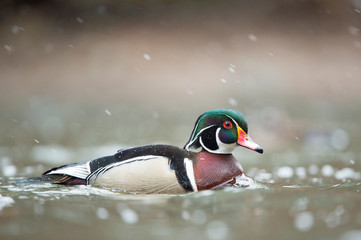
(288, 202)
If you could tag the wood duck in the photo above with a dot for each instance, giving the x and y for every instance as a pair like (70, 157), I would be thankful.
(205, 162)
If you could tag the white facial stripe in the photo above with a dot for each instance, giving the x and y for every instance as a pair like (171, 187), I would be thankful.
(195, 138)
(190, 173)
(204, 146)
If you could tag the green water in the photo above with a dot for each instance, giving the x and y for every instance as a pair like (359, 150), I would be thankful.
(313, 201)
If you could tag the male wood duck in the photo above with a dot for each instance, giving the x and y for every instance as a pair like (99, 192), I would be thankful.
(205, 162)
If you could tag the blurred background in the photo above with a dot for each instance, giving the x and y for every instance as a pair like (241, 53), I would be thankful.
(80, 79)
(78, 72)
(99, 73)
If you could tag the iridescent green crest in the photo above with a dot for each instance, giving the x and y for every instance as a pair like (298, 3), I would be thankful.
(215, 119)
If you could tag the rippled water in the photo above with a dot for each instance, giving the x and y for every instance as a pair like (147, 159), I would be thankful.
(290, 201)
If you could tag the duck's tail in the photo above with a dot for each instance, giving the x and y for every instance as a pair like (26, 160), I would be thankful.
(55, 179)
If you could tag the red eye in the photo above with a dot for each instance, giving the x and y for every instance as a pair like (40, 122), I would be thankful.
(227, 124)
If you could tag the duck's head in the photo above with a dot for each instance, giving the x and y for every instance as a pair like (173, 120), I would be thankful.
(221, 131)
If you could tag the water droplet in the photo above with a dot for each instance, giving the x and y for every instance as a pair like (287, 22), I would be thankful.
(16, 29)
(9, 170)
(8, 48)
(339, 139)
(285, 172)
(232, 101)
(102, 213)
(232, 68)
(108, 112)
(353, 30)
(79, 20)
(301, 172)
(223, 80)
(313, 169)
(147, 57)
(5, 201)
(190, 92)
(252, 37)
(327, 170)
(129, 216)
(304, 221)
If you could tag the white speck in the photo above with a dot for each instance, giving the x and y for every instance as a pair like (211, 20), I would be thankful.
(252, 37)
(223, 80)
(315, 180)
(217, 230)
(285, 172)
(8, 48)
(71, 46)
(304, 221)
(232, 68)
(352, 162)
(358, 11)
(232, 101)
(190, 92)
(5, 201)
(102, 213)
(297, 138)
(16, 29)
(271, 54)
(339, 210)
(129, 216)
(351, 235)
(301, 172)
(79, 20)
(327, 170)
(313, 169)
(108, 112)
(36, 140)
(147, 57)
(353, 30)
(9, 170)
(339, 139)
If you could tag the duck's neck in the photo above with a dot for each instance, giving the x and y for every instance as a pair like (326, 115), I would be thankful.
(213, 170)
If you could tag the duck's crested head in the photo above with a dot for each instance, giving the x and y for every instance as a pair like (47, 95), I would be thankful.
(220, 131)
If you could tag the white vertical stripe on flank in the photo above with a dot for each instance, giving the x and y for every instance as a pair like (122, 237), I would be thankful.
(190, 173)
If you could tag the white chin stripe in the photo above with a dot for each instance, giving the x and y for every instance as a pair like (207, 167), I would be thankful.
(223, 147)
(190, 173)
